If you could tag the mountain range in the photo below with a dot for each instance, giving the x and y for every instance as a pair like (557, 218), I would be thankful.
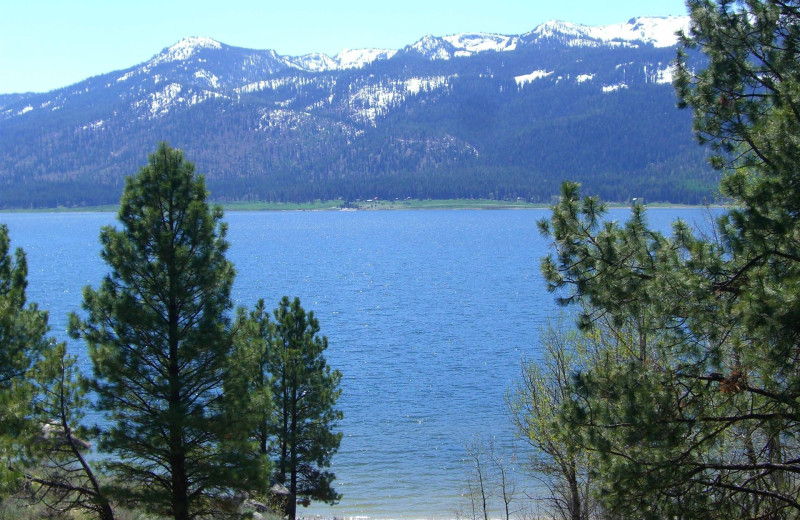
(462, 116)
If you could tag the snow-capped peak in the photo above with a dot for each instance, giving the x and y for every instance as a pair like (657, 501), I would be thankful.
(658, 31)
(471, 43)
(661, 32)
(357, 58)
(313, 62)
(461, 45)
(553, 28)
(431, 47)
(185, 48)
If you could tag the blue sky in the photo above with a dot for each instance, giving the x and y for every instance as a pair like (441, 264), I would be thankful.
(47, 44)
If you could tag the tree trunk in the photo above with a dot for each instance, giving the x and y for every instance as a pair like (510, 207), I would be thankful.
(575, 508)
(177, 456)
(293, 455)
(106, 513)
(180, 493)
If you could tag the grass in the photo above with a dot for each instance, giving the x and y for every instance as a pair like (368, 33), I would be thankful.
(12, 508)
(18, 509)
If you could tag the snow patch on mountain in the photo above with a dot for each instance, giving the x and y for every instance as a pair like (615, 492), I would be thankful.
(462, 45)
(258, 86)
(208, 78)
(662, 74)
(414, 86)
(530, 78)
(431, 47)
(126, 76)
(315, 62)
(358, 58)
(614, 88)
(661, 32)
(282, 118)
(370, 102)
(202, 96)
(468, 44)
(173, 95)
(347, 59)
(276, 83)
(96, 125)
(160, 102)
(555, 29)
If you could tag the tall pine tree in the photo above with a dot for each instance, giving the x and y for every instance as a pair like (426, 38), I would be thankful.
(159, 340)
(305, 391)
(254, 347)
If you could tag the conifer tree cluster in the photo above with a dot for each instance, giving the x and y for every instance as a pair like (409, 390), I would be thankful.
(42, 443)
(23, 340)
(183, 399)
(295, 395)
(689, 403)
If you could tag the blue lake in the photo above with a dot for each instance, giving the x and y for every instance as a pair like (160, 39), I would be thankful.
(428, 316)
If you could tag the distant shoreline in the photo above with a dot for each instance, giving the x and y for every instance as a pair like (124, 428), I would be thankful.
(368, 205)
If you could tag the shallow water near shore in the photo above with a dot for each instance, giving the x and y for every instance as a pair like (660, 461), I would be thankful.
(428, 316)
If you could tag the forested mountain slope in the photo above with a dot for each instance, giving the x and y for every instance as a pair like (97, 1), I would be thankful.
(472, 115)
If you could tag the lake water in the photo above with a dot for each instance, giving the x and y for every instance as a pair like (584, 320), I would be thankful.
(428, 316)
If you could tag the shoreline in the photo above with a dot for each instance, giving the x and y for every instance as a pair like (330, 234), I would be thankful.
(369, 205)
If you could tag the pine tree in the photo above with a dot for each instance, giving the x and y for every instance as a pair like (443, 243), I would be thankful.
(698, 417)
(23, 330)
(254, 346)
(159, 340)
(305, 391)
(41, 404)
(59, 474)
